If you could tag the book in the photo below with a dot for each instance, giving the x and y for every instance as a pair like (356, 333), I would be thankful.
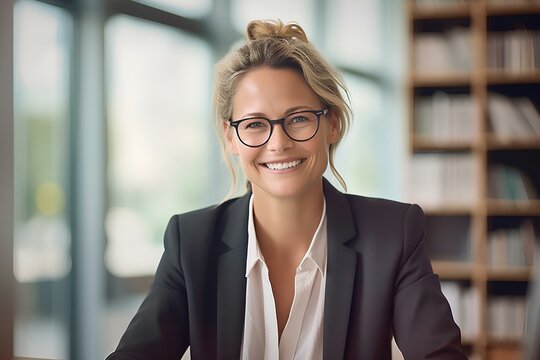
(443, 52)
(510, 183)
(514, 51)
(497, 249)
(513, 118)
(512, 246)
(453, 294)
(506, 316)
(527, 233)
(529, 112)
(442, 179)
(445, 117)
(464, 302)
(471, 315)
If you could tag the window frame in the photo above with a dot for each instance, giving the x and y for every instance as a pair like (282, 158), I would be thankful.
(7, 279)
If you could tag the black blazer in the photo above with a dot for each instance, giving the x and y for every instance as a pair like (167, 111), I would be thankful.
(379, 283)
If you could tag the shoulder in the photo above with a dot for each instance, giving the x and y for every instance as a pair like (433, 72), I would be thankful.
(375, 202)
(400, 225)
(373, 217)
(193, 238)
(372, 207)
(200, 229)
(207, 215)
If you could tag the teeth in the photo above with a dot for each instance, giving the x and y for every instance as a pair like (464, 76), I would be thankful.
(283, 166)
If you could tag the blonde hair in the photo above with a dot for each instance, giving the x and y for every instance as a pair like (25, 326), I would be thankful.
(278, 45)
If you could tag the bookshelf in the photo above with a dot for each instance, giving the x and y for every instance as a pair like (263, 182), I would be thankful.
(474, 134)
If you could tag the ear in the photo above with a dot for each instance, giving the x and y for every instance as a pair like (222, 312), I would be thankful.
(230, 138)
(334, 127)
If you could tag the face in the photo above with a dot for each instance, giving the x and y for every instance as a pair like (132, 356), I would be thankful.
(282, 167)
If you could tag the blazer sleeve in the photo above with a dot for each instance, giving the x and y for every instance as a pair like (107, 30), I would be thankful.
(422, 321)
(160, 328)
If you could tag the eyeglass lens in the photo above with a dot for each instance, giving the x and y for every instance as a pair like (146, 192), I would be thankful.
(298, 126)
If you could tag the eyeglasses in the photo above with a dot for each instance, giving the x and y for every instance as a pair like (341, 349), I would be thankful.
(299, 126)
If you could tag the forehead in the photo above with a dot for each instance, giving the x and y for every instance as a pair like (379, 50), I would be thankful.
(271, 92)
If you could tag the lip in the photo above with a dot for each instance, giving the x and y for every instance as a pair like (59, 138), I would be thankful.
(301, 159)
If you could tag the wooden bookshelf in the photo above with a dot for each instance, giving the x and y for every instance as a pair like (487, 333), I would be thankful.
(513, 208)
(479, 24)
(442, 12)
(508, 78)
(455, 79)
(430, 145)
(453, 270)
(504, 273)
(515, 8)
(495, 142)
(448, 210)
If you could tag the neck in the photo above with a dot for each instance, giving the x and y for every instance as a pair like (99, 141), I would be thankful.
(285, 226)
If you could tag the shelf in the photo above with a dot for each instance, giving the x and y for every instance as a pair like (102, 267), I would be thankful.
(441, 12)
(425, 144)
(461, 231)
(501, 77)
(460, 79)
(513, 208)
(506, 341)
(452, 270)
(497, 143)
(508, 273)
(449, 79)
(512, 9)
(448, 210)
(504, 350)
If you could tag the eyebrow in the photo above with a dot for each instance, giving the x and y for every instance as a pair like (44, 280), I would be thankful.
(286, 112)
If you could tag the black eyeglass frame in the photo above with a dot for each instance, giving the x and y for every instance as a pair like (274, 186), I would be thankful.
(280, 121)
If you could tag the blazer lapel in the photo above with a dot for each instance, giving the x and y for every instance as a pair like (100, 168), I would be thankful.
(341, 269)
(231, 280)
(340, 273)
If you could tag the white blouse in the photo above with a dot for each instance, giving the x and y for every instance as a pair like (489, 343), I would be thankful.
(302, 337)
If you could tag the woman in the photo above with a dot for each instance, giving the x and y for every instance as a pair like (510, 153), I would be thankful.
(294, 268)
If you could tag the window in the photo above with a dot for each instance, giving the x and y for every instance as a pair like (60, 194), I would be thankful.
(159, 134)
(162, 152)
(354, 34)
(358, 156)
(42, 258)
(301, 11)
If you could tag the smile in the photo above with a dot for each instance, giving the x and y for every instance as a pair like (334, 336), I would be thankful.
(284, 165)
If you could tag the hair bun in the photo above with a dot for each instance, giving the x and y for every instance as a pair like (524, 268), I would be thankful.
(258, 29)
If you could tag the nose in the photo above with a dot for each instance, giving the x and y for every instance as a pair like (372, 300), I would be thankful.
(279, 140)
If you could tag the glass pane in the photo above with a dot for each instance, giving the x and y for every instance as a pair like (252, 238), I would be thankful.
(42, 36)
(354, 33)
(358, 157)
(300, 11)
(187, 8)
(161, 137)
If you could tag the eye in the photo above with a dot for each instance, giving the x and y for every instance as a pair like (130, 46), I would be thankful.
(253, 124)
(298, 119)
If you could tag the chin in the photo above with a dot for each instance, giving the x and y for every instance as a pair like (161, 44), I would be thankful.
(291, 188)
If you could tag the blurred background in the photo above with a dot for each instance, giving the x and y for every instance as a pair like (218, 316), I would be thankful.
(113, 134)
